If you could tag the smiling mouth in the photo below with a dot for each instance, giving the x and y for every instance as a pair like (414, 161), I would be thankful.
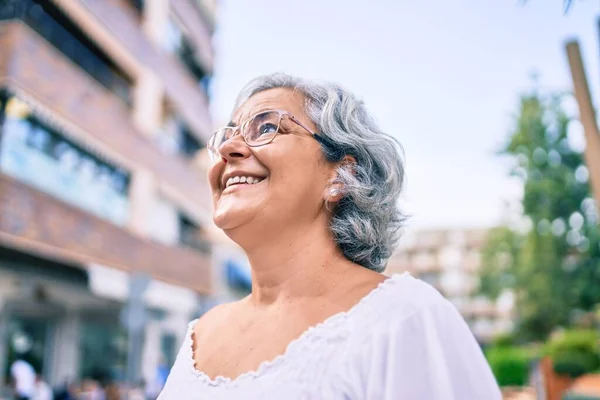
(242, 180)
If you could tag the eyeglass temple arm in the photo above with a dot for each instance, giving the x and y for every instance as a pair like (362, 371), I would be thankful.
(316, 135)
(335, 153)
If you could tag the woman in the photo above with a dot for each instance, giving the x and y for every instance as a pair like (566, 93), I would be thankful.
(306, 183)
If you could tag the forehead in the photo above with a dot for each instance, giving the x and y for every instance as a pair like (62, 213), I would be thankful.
(273, 99)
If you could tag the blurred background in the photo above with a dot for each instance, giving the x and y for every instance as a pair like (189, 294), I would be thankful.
(107, 246)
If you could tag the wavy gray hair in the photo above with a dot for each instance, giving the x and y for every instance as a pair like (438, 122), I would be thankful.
(366, 221)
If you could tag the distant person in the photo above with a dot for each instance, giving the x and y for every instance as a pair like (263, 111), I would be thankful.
(23, 377)
(306, 183)
(137, 392)
(43, 391)
(66, 392)
(112, 391)
(91, 390)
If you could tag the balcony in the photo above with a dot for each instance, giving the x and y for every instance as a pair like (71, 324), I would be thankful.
(44, 18)
(38, 73)
(175, 138)
(180, 85)
(40, 224)
(192, 237)
(193, 15)
(177, 43)
(33, 153)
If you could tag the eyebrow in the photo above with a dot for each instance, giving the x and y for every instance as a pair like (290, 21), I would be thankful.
(231, 124)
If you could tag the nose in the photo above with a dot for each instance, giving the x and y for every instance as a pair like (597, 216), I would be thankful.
(234, 148)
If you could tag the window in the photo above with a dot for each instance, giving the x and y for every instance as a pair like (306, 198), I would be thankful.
(70, 157)
(188, 144)
(173, 37)
(191, 235)
(36, 154)
(174, 136)
(103, 351)
(168, 348)
(138, 5)
(187, 54)
(27, 339)
(177, 43)
(3, 101)
(48, 21)
(205, 84)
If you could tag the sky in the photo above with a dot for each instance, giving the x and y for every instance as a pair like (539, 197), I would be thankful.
(443, 77)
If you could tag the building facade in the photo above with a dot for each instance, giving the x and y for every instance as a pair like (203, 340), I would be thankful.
(449, 260)
(104, 203)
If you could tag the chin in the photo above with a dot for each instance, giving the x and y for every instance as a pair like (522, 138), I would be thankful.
(226, 221)
(236, 227)
(229, 215)
(234, 210)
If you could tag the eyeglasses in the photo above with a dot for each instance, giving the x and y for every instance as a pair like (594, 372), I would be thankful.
(258, 130)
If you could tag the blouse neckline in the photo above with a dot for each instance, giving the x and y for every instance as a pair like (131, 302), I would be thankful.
(293, 348)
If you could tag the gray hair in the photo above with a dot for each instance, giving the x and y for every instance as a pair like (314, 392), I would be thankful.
(366, 221)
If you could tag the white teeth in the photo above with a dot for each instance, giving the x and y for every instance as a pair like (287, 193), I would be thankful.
(242, 179)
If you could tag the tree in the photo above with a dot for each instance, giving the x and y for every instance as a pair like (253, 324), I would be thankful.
(566, 4)
(553, 267)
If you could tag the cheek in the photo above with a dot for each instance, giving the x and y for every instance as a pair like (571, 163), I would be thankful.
(214, 172)
(298, 179)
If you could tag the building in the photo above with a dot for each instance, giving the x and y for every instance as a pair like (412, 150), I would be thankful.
(449, 260)
(104, 204)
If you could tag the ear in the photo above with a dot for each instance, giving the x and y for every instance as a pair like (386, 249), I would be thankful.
(335, 190)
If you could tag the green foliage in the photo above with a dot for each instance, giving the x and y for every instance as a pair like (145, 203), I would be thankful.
(584, 340)
(554, 267)
(500, 251)
(575, 396)
(505, 340)
(574, 364)
(574, 352)
(510, 364)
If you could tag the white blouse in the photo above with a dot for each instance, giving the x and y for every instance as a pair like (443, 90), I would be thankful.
(401, 341)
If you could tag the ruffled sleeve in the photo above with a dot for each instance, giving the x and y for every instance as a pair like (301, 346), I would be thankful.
(428, 354)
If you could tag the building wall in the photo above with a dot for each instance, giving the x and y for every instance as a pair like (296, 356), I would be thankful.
(167, 96)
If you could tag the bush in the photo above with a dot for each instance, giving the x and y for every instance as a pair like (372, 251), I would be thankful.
(505, 340)
(575, 352)
(574, 364)
(510, 364)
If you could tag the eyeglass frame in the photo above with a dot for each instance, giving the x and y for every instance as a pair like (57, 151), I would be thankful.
(237, 130)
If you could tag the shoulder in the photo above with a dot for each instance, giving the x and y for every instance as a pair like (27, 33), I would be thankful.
(403, 300)
(410, 295)
(412, 331)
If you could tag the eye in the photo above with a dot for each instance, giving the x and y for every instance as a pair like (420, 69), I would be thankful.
(266, 128)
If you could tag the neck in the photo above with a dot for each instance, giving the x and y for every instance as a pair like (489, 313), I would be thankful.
(293, 265)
